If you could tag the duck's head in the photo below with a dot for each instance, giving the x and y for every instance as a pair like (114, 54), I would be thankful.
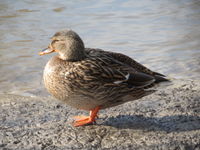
(67, 44)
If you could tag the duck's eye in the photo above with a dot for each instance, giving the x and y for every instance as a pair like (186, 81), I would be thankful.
(54, 41)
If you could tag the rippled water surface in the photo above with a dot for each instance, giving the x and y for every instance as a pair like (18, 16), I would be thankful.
(163, 35)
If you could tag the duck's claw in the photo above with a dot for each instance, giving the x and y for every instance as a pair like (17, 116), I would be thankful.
(83, 121)
(80, 117)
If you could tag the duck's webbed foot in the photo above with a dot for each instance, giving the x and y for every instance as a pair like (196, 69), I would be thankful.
(84, 120)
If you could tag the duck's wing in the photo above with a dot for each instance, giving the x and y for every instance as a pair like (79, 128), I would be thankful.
(130, 62)
(109, 80)
(115, 73)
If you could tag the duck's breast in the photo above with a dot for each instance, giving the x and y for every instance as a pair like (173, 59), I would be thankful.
(54, 78)
(62, 83)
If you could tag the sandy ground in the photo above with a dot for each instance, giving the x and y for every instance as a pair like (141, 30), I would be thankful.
(167, 119)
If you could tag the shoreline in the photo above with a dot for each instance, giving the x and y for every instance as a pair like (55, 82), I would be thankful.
(167, 119)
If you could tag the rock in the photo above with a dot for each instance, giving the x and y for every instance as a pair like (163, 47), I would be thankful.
(168, 119)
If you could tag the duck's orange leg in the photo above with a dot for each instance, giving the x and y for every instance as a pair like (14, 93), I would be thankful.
(83, 120)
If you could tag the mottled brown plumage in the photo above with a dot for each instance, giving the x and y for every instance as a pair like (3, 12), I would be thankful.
(87, 78)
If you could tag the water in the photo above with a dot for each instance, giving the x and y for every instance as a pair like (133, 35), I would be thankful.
(163, 35)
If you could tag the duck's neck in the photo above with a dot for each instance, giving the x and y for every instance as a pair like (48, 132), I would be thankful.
(73, 56)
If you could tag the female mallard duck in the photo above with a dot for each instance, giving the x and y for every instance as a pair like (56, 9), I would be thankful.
(93, 79)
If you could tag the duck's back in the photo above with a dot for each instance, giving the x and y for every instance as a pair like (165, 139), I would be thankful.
(128, 61)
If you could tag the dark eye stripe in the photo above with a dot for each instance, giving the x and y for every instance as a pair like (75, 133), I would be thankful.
(54, 41)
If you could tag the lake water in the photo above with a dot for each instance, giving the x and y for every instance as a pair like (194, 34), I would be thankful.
(163, 35)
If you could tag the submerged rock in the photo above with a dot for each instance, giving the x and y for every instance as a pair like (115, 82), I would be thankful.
(167, 119)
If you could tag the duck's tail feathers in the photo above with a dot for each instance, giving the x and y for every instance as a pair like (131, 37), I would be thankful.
(161, 78)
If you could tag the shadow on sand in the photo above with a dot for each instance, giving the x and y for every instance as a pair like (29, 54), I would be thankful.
(176, 123)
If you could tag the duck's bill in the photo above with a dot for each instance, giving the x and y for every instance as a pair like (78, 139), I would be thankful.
(46, 51)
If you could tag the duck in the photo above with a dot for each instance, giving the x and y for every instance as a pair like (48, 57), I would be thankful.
(93, 79)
